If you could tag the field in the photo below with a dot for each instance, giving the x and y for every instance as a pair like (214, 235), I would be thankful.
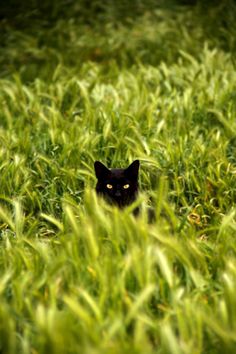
(158, 85)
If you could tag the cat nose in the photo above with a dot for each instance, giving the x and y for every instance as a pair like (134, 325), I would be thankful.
(118, 194)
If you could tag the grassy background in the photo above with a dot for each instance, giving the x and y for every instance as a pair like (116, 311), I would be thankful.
(115, 82)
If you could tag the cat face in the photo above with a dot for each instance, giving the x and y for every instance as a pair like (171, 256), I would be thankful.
(118, 186)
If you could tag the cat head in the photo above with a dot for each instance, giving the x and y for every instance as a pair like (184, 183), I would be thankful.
(119, 186)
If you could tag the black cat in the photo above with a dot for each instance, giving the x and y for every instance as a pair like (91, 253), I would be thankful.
(118, 186)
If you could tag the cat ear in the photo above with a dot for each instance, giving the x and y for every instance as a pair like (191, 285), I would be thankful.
(132, 170)
(100, 169)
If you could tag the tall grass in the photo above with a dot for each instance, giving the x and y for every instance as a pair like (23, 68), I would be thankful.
(76, 274)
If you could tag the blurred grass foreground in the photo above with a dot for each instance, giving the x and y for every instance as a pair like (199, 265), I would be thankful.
(117, 81)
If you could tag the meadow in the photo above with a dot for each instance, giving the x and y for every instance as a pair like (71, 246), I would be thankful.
(158, 85)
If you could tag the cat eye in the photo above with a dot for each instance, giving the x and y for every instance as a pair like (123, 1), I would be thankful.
(109, 186)
(126, 186)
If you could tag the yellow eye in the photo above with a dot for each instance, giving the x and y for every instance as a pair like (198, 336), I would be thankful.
(126, 186)
(109, 186)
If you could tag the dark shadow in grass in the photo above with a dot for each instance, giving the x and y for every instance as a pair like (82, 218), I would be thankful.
(231, 151)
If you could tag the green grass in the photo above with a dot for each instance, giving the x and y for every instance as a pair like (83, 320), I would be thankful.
(79, 276)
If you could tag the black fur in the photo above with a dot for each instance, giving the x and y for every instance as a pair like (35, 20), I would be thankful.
(117, 179)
